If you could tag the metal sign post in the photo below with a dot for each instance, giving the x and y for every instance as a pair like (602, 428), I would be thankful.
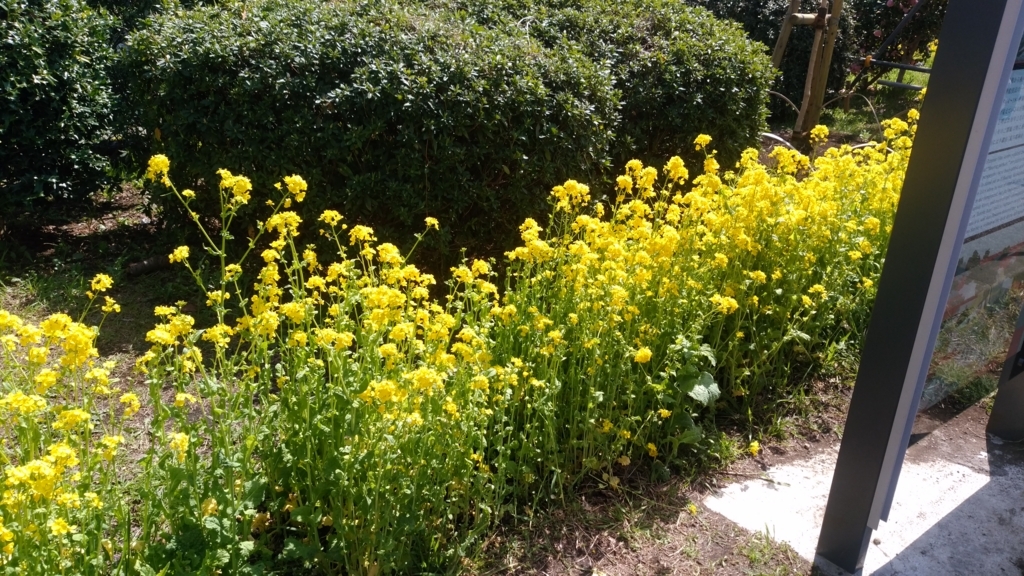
(966, 104)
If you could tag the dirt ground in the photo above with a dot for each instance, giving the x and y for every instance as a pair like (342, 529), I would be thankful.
(651, 531)
(662, 529)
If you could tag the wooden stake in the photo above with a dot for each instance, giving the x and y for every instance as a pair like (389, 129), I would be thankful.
(812, 69)
(821, 81)
(787, 28)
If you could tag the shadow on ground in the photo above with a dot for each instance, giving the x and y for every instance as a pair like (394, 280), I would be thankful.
(46, 264)
(983, 535)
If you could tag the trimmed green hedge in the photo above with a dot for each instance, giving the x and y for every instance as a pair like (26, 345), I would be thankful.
(55, 101)
(680, 71)
(393, 113)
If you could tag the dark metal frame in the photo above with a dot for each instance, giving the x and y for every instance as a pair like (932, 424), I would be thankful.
(964, 93)
(1007, 419)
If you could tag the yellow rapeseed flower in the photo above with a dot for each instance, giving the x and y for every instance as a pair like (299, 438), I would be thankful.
(45, 379)
(179, 445)
(132, 404)
(110, 305)
(94, 501)
(219, 335)
(110, 444)
(285, 223)
(182, 398)
(819, 134)
(296, 186)
(724, 304)
(101, 283)
(232, 271)
(711, 165)
(158, 167)
(180, 254)
(216, 297)
(70, 419)
(643, 355)
(208, 507)
(60, 527)
(676, 170)
(22, 403)
(361, 234)
(570, 195)
(240, 187)
(56, 325)
(330, 217)
(260, 522)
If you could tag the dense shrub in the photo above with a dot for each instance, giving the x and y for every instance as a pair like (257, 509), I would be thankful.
(127, 16)
(762, 19)
(680, 71)
(55, 100)
(392, 114)
(395, 113)
(335, 418)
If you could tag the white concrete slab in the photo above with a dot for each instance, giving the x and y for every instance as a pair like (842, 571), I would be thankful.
(946, 518)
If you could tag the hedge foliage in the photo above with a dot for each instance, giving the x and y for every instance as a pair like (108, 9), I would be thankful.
(55, 100)
(680, 71)
(465, 112)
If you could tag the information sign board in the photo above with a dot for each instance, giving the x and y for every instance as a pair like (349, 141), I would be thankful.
(950, 283)
(988, 285)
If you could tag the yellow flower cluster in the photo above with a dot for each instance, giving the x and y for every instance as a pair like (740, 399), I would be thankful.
(158, 168)
(239, 187)
(757, 268)
(618, 323)
(56, 474)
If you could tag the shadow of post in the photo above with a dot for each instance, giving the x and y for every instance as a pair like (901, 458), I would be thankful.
(984, 535)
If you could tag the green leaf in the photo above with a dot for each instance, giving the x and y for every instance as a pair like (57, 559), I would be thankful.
(302, 515)
(212, 523)
(221, 557)
(705, 390)
(294, 549)
(691, 436)
(145, 569)
(253, 494)
(245, 548)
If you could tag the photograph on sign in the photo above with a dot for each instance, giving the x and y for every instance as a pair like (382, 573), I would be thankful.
(987, 292)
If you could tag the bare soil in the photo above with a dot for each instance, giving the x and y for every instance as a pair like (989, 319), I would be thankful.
(649, 529)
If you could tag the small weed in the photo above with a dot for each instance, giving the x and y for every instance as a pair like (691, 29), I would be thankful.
(689, 548)
(973, 391)
(762, 550)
